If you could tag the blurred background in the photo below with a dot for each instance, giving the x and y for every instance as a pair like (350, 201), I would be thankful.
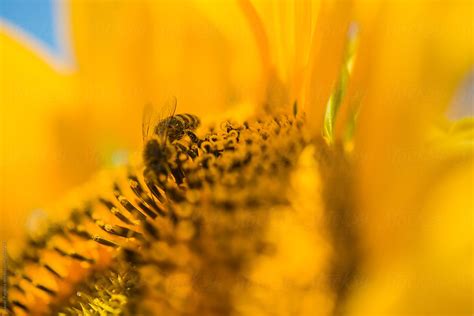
(75, 76)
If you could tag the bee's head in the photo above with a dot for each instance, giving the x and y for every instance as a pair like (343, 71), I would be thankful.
(156, 151)
(157, 156)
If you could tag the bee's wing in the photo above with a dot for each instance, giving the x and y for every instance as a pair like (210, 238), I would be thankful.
(147, 118)
(164, 118)
(157, 122)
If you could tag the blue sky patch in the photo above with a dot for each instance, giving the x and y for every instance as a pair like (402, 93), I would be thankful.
(38, 19)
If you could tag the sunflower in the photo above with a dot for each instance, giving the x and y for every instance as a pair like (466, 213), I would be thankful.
(325, 179)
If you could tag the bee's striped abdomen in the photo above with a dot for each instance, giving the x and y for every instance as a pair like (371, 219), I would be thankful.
(188, 121)
(175, 127)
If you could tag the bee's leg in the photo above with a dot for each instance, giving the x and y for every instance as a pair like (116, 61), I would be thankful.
(181, 147)
(151, 181)
(194, 138)
(162, 178)
(193, 153)
(178, 175)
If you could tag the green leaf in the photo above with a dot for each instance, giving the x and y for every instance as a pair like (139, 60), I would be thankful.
(339, 91)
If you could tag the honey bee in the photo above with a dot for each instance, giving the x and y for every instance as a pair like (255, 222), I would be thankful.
(162, 153)
(176, 126)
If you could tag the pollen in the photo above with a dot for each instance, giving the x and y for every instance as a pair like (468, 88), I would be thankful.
(179, 241)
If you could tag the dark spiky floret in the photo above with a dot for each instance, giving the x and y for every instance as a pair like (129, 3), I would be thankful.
(170, 235)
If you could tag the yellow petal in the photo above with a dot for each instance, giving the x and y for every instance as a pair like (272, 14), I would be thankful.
(434, 272)
(30, 90)
(207, 69)
(415, 69)
(409, 85)
(283, 35)
(112, 49)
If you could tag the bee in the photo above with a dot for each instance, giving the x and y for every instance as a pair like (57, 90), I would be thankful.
(176, 126)
(162, 153)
